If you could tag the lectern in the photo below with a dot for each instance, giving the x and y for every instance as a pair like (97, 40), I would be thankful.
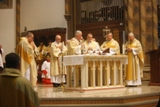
(155, 67)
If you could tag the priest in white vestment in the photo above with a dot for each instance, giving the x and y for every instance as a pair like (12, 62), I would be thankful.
(90, 46)
(26, 49)
(57, 49)
(134, 69)
(75, 44)
(110, 46)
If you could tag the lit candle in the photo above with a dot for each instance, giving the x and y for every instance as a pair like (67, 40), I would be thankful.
(62, 46)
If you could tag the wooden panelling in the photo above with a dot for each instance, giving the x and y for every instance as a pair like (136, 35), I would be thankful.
(117, 27)
(45, 35)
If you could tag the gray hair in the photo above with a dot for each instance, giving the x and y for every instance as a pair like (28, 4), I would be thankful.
(78, 32)
(131, 34)
(28, 34)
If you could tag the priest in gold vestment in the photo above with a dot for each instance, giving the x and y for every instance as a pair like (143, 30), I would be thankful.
(75, 44)
(41, 49)
(111, 46)
(57, 48)
(134, 69)
(90, 46)
(48, 48)
(26, 49)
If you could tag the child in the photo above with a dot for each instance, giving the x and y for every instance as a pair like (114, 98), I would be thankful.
(46, 79)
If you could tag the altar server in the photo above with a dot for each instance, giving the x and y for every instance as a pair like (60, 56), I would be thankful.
(57, 49)
(135, 65)
(46, 78)
(110, 46)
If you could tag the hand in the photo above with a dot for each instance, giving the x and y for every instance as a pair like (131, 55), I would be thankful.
(82, 45)
(90, 48)
(46, 76)
(33, 45)
(60, 47)
(129, 49)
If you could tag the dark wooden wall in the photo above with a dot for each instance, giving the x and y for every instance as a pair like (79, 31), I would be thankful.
(117, 28)
(45, 35)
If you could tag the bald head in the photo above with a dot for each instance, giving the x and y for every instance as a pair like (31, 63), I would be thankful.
(78, 35)
(58, 38)
(29, 36)
(131, 36)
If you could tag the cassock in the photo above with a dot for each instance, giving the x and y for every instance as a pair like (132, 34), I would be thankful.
(91, 44)
(57, 76)
(16, 91)
(112, 45)
(27, 59)
(41, 50)
(74, 47)
(46, 72)
(134, 69)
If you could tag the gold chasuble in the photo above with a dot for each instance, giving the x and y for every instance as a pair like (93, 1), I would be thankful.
(112, 45)
(27, 59)
(16, 91)
(134, 69)
(74, 47)
(41, 50)
(55, 53)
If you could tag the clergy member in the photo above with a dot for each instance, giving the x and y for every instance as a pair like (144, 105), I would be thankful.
(41, 49)
(15, 90)
(57, 48)
(1, 58)
(134, 68)
(90, 45)
(75, 44)
(110, 45)
(48, 48)
(26, 49)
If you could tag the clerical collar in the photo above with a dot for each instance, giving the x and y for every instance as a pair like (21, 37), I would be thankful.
(77, 40)
(89, 41)
(109, 40)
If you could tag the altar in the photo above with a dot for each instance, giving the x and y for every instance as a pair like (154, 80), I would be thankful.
(91, 72)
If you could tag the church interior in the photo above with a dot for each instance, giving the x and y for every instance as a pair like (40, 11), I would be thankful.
(48, 18)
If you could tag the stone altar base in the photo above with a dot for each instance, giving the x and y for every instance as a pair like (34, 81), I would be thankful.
(141, 96)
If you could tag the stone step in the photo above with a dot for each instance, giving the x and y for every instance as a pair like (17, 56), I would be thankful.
(148, 103)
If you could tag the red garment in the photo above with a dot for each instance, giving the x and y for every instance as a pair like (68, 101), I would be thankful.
(46, 81)
(44, 71)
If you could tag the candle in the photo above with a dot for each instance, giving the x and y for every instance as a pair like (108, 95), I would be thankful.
(123, 37)
(62, 46)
